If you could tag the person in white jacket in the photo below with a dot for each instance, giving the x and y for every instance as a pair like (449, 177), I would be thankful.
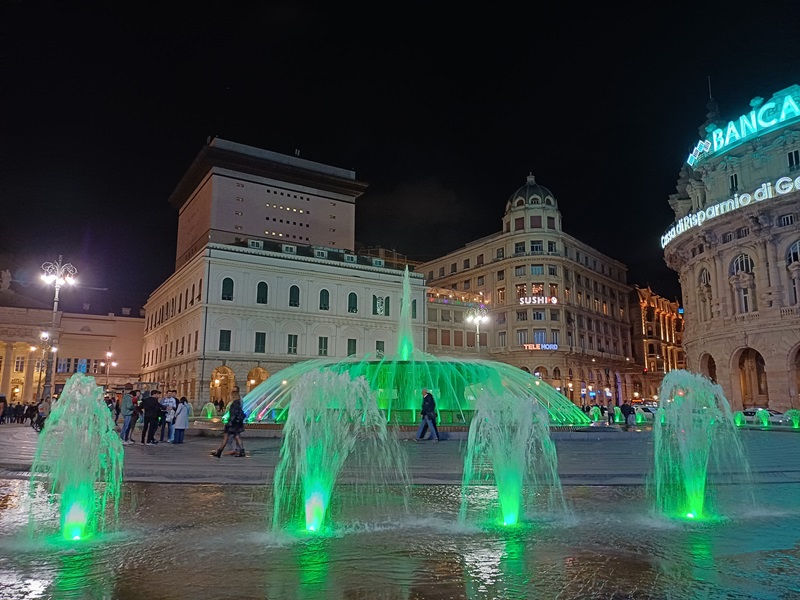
(181, 420)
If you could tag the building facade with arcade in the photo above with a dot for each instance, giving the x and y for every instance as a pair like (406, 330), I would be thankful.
(735, 244)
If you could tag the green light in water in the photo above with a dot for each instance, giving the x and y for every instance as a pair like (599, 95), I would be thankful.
(316, 505)
(689, 516)
(75, 520)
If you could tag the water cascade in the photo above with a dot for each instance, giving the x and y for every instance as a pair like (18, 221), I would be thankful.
(332, 421)
(79, 460)
(695, 443)
(794, 417)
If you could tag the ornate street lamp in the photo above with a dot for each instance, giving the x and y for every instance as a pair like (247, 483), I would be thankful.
(477, 315)
(108, 363)
(46, 346)
(58, 274)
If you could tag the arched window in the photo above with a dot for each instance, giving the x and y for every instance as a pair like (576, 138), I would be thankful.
(294, 296)
(742, 264)
(556, 373)
(705, 277)
(227, 289)
(262, 292)
(793, 255)
(324, 300)
(743, 284)
(793, 264)
(352, 302)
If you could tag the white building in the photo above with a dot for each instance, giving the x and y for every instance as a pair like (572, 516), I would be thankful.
(736, 246)
(265, 275)
(556, 306)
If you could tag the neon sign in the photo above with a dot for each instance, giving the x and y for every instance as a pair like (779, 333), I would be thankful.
(765, 191)
(540, 346)
(765, 116)
(538, 300)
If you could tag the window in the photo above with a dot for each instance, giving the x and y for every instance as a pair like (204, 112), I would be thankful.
(551, 222)
(537, 246)
(522, 337)
(734, 181)
(351, 346)
(441, 271)
(519, 271)
(785, 220)
(480, 280)
(500, 253)
(794, 160)
(793, 256)
(227, 289)
(742, 232)
(225, 340)
(291, 344)
(536, 222)
(537, 269)
(446, 315)
(553, 289)
(538, 315)
(262, 293)
(522, 315)
(380, 347)
(519, 223)
(294, 296)
(19, 364)
(552, 270)
(352, 302)
(742, 264)
(380, 305)
(466, 263)
(479, 260)
(501, 339)
(501, 296)
(261, 342)
(324, 300)
(554, 336)
(467, 284)
(552, 248)
(521, 290)
(554, 316)
(727, 237)
(539, 336)
(519, 248)
(322, 346)
(501, 275)
(453, 268)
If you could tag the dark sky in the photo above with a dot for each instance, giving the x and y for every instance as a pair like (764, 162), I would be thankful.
(443, 114)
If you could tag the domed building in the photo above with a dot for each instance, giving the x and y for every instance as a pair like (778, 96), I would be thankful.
(736, 246)
(552, 305)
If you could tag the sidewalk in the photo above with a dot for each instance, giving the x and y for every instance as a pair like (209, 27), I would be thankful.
(585, 458)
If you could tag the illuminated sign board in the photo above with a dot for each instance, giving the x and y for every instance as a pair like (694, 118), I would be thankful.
(765, 191)
(781, 110)
(538, 300)
(540, 346)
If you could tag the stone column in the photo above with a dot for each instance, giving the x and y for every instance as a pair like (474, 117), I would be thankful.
(775, 278)
(29, 386)
(722, 291)
(8, 364)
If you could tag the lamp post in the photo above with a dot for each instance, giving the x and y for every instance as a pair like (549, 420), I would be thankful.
(58, 274)
(108, 363)
(46, 345)
(477, 315)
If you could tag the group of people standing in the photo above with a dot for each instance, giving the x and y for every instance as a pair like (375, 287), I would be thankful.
(168, 414)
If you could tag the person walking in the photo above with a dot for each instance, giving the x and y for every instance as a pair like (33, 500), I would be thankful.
(428, 417)
(151, 409)
(234, 427)
(126, 410)
(167, 402)
(610, 412)
(181, 420)
(137, 410)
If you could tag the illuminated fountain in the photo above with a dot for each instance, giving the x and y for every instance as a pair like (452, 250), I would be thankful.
(794, 417)
(509, 444)
(695, 444)
(332, 420)
(79, 459)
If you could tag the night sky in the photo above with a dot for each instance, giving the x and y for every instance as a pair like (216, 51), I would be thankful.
(443, 114)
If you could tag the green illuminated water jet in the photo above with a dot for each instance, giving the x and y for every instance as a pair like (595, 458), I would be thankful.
(794, 417)
(509, 443)
(332, 421)
(79, 460)
(695, 443)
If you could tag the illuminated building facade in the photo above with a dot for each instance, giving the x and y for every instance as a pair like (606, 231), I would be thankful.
(556, 307)
(656, 339)
(736, 246)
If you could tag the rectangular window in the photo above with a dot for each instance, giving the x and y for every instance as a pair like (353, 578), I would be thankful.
(225, 340)
(501, 339)
(522, 337)
(537, 289)
(519, 223)
(466, 263)
(467, 284)
(552, 248)
(538, 315)
(552, 270)
(445, 337)
(261, 342)
(794, 160)
(567, 294)
(83, 365)
(501, 275)
(734, 181)
(537, 246)
(480, 280)
(554, 289)
(554, 336)
(554, 315)
(291, 344)
(380, 347)
(453, 268)
(19, 364)
(519, 248)
(351, 346)
(605, 308)
(501, 296)
(551, 222)
(537, 269)
(195, 340)
(539, 336)
(785, 220)
(536, 222)
(500, 253)
(433, 336)
(458, 338)
(479, 260)
(445, 315)
(521, 291)
(519, 271)
(458, 316)
(322, 346)
(433, 315)
(441, 271)
(522, 315)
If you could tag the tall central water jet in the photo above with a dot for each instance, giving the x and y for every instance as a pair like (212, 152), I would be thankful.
(332, 421)
(79, 460)
(509, 439)
(695, 440)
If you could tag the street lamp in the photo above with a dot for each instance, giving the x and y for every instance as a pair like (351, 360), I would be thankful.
(46, 345)
(477, 315)
(108, 363)
(58, 274)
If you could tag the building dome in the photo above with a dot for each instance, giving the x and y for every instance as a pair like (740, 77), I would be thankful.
(532, 193)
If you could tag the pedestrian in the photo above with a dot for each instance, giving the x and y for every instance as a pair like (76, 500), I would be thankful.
(151, 409)
(117, 409)
(181, 420)
(610, 412)
(428, 417)
(234, 427)
(126, 410)
(137, 411)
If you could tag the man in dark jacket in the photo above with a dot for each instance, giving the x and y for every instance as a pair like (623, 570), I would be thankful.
(428, 417)
(151, 409)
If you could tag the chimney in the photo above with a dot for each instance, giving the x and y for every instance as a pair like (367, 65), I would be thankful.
(126, 312)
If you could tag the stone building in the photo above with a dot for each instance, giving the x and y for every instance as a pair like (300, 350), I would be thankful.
(736, 246)
(557, 307)
(265, 275)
